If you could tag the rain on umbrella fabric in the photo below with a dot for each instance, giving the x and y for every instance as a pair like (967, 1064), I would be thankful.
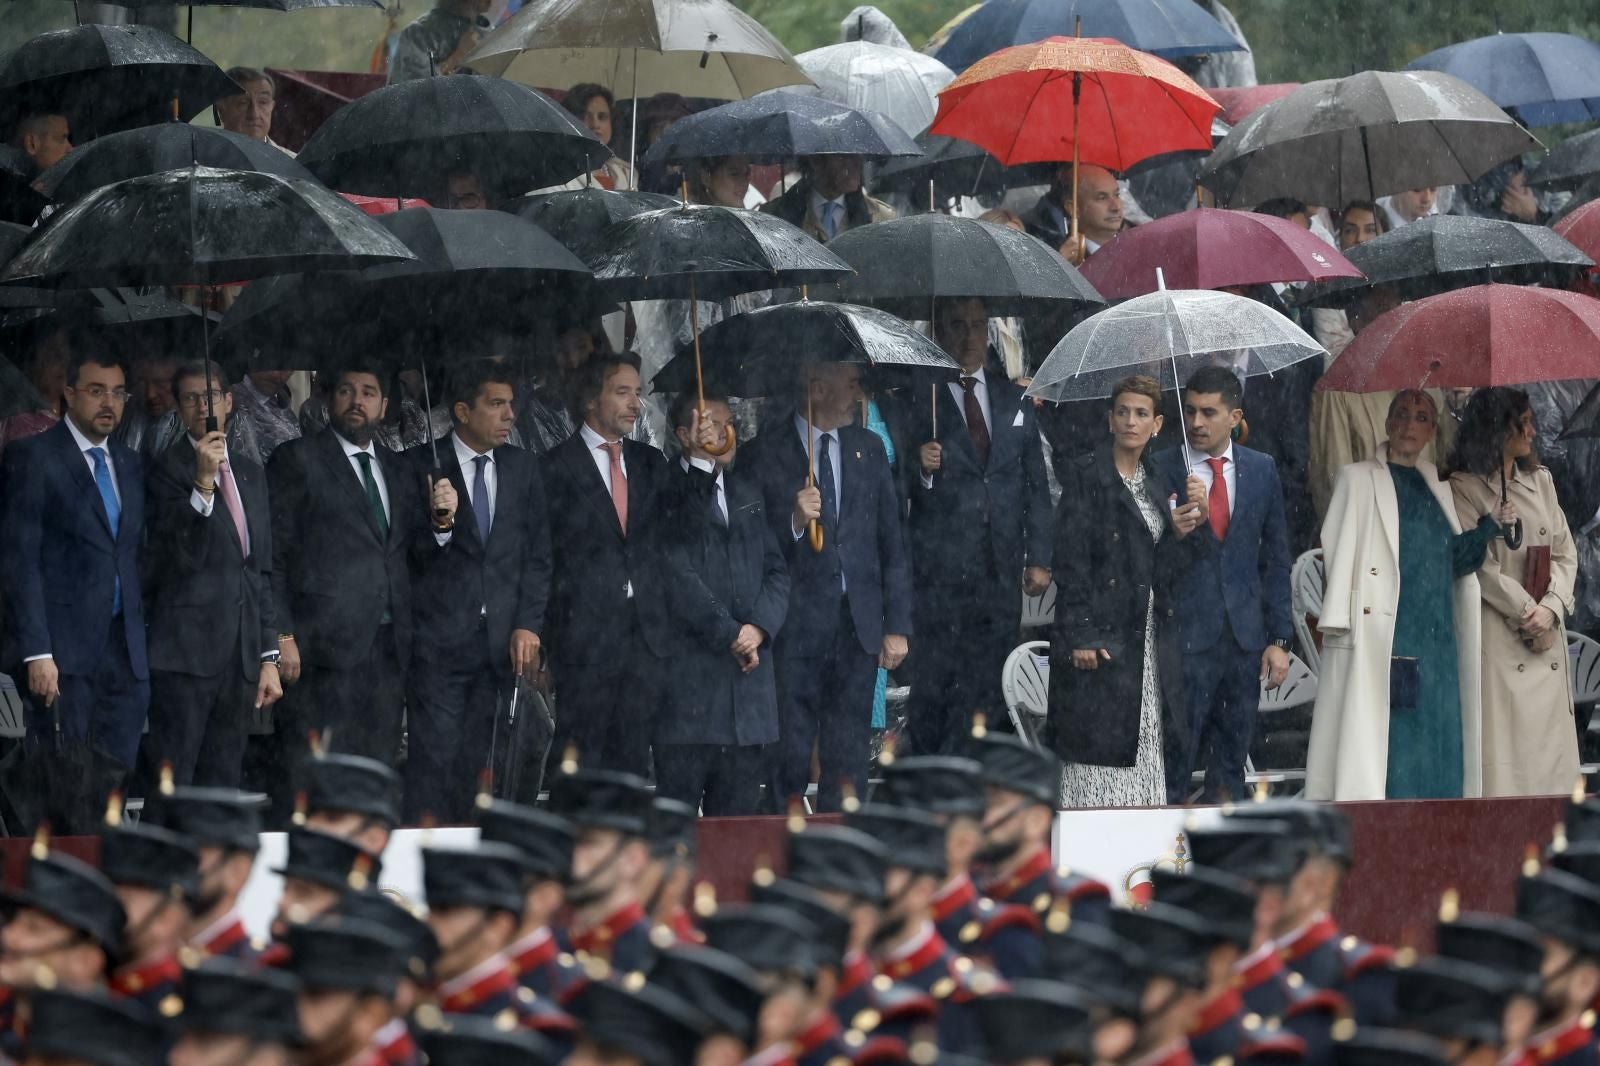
(1167, 28)
(1549, 78)
(781, 125)
(1569, 162)
(573, 216)
(166, 146)
(895, 82)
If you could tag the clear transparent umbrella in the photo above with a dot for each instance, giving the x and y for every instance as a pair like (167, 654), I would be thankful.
(892, 81)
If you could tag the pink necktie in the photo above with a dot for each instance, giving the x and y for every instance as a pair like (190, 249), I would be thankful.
(230, 498)
(619, 484)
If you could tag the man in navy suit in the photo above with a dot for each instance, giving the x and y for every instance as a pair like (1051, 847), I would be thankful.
(70, 532)
(850, 601)
(727, 591)
(980, 531)
(1232, 602)
(480, 595)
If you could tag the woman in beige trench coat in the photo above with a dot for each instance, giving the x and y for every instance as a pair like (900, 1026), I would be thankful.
(1530, 745)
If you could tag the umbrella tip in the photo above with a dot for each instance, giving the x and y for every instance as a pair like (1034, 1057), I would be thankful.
(1161, 280)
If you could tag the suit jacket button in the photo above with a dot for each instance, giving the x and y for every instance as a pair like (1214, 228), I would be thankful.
(1543, 532)
(1366, 610)
(1116, 536)
(1112, 583)
(1521, 667)
(1171, 612)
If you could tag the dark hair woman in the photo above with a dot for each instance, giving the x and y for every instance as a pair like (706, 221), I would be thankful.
(1112, 668)
(1529, 744)
(594, 106)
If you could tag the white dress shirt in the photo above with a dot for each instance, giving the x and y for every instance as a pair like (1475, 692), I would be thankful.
(469, 470)
(84, 444)
(602, 460)
(811, 438)
(982, 391)
(350, 453)
(1201, 469)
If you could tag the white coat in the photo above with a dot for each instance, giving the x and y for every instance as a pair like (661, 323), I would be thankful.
(1349, 753)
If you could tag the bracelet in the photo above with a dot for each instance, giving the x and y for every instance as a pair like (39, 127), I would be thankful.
(444, 529)
(203, 489)
(285, 638)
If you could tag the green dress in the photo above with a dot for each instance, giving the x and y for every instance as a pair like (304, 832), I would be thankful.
(1425, 743)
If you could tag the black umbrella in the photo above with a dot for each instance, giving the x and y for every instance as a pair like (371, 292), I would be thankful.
(957, 168)
(1585, 421)
(903, 264)
(577, 216)
(406, 139)
(165, 146)
(1443, 252)
(108, 78)
(19, 200)
(781, 125)
(1569, 162)
(133, 321)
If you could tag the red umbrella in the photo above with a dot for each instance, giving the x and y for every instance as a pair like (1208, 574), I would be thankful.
(1240, 102)
(1582, 228)
(1212, 249)
(1472, 338)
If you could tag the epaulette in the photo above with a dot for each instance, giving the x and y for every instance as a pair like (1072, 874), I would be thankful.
(1005, 916)
(1318, 1001)
(900, 1003)
(1076, 887)
(1274, 1047)
(879, 1051)
(1360, 958)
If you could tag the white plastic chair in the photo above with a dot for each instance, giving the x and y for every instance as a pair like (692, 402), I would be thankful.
(1025, 683)
(1306, 582)
(1298, 689)
(11, 721)
(1039, 610)
(1585, 668)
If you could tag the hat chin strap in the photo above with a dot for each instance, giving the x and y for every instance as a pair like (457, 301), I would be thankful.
(133, 933)
(73, 938)
(477, 927)
(581, 892)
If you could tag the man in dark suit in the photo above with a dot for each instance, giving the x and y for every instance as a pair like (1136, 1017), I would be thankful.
(480, 596)
(345, 511)
(980, 531)
(828, 198)
(1232, 602)
(1100, 216)
(70, 532)
(727, 591)
(850, 601)
(607, 615)
(208, 568)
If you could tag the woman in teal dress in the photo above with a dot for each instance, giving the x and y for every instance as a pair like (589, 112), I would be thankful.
(1400, 617)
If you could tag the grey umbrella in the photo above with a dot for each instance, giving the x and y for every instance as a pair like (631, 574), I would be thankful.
(1361, 137)
(1444, 252)
(1569, 162)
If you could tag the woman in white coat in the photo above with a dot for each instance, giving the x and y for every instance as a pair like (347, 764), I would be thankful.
(1398, 711)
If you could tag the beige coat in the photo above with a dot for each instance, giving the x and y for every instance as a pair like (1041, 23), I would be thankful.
(1349, 754)
(1530, 745)
(1347, 427)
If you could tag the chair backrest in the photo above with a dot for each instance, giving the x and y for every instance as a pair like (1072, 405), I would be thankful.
(1039, 610)
(1585, 665)
(1306, 582)
(1025, 684)
(11, 720)
(1297, 690)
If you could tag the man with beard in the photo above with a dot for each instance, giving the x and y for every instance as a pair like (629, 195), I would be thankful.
(1458, 1003)
(348, 970)
(1021, 788)
(394, 1043)
(611, 813)
(1510, 948)
(319, 870)
(226, 827)
(1565, 909)
(820, 1037)
(543, 842)
(1173, 945)
(665, 884)
(776, 944)
(345, 512)
(156, 873)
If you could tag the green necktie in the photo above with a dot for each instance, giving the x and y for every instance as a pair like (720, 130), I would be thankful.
(374, 498)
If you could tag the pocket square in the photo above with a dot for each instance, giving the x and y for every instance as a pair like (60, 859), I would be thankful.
(1016, 423)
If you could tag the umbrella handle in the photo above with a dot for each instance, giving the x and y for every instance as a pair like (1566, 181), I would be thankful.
(813, 528)
(730, 435)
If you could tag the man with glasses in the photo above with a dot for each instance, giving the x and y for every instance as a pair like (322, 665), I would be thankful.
(213, 643)
(70, 540)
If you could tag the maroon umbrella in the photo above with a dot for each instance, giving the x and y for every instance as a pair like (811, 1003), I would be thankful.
(1211, 249)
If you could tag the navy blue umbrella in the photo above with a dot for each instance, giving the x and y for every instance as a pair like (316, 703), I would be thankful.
(1167, 28)
(1550, 78)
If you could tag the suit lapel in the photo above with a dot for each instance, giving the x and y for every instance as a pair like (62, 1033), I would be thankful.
(587, 476)
(1002, 412)
(639, 494)
(247, 477)
(78, 471)
(344, 475)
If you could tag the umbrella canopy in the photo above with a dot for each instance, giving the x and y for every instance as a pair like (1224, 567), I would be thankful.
(134, 321)
(957, 168)
(200, 226)
(1484, 336)
(1168, 28)
(1585, 420)
(781, 125)
(1550, 78)
(708, 253)
(167, 146)
(756, 353)
(1169, 335)
(262, 5)
(1212, 249)
(1569, 162)
(405, 139)
(108, 78)
(1037, 102)
(1240, 102)
(1441, 252)
(577, 216)
(1581, 228)
(1361, 137)
(902, 264)
(895, 82)
(20, 202)
(703, 48)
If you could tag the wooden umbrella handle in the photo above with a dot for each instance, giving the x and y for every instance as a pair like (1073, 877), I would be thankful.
(730, 435)
(813, 527)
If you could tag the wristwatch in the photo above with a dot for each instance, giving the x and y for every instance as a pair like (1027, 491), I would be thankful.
(1284, 644)
(271, 657)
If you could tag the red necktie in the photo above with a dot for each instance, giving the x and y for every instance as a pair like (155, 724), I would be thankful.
(1217, 498)
(975, 423)
(619, 484)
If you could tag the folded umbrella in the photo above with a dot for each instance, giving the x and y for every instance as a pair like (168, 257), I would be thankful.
(577, 216)
(781, 125)
(1167, 28)
(165, 146)
(1548, 78)
(896, 82)
(108, 78)
(1361, 137)
(406, 139)
(1442, 252)
(1212, 249)
(1484, 336)
(1569, 162)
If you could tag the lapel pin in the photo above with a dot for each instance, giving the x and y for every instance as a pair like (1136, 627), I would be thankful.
(858, 455)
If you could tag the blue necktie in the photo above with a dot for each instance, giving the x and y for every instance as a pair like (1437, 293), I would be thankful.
(108, 496)
(825, 482)
(480, 499)
(830, 219)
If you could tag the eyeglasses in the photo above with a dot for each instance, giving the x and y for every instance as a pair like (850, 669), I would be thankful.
(100, 392)
(198, 399)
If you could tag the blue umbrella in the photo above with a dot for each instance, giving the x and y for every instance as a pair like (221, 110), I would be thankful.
(1550, 78)
(1167, 28)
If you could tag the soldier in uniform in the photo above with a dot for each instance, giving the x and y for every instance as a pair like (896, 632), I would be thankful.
(348, 971)
(474, 909)
(91, 1028)
(666, 880)
(1461, 1004)
(466, 1041)
(610, 812)
(1022, 786)
(847, 868)
(1565, 909)
(316, 875)
(721, 987)
(1106, 968)
(1388, 1047)
(1173, 946)
(235, 1014)
(544, 841)
(633, 1022)
(395, 1043)
(350, 796)
(226, 826)
(156, 874)
(1036, 1020)
(1507, 946)
(820, 1039)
